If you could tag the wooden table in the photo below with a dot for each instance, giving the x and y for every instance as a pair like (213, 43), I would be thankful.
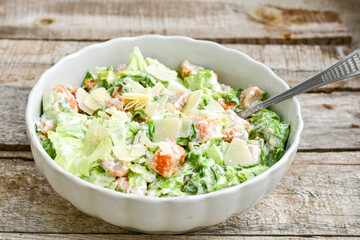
(318, 197)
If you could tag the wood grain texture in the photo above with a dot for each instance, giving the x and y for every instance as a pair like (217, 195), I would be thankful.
(20, 236)
(334, 116)
(220, 21)
(311, 200)
(22, 62)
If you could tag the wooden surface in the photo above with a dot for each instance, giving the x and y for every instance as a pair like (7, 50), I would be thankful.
(319, 198)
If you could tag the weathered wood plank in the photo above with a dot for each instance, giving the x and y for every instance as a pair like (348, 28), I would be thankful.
(25, 155)
(331, 121)
(19, 236)
(310, 200)
(22, 62)
(12, 122)
(324, 128)
(220, 21)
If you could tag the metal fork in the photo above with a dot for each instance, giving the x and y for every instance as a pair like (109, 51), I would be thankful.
(345, 68)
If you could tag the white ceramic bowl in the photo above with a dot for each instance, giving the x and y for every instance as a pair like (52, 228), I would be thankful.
(175, 214)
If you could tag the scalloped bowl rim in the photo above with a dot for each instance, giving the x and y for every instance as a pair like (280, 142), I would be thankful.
(34, 140)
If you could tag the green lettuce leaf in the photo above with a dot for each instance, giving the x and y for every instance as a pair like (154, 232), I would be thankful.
(69, 154)
(267, 125)
(71, 123)
(94, 135)
(102, 179)
(205, 78)
(49, 147)
(50, 104)
(137, 61)
(160, 71)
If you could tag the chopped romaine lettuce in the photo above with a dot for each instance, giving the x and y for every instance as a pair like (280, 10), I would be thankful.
(204, 78)
(137, 61)
(160, 71)
(71, 123)
(115, 146)
(268, 126)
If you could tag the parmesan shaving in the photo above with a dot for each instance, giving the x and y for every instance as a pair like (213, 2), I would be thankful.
(146, 141)
(123, 153)
(99, 95)
(193, 102)
(168, 127)
(81, 94)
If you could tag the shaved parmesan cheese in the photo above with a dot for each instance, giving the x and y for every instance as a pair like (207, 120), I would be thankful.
(175, 87)
(162, 102)
(193, 102)
(123, 153)
(135, 96)
(186, 125)
(165, 147)
(238, 154)
(137, 150)
(151, 108)
(91, 104)
(159, 88)
(137, 100)
(81, 94)
(99, 95)
(146, 141)
(132, 86)
(214, 107)
(170, 107)
(168, 127)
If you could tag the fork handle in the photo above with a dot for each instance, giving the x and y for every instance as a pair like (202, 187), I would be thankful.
(345, 68)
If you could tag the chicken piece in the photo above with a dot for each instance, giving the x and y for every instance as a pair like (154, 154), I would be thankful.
(120, 68)
(235, 121)
(46, 126)
(179, 100)
(225, 88)
(254, 150)
(69, 98)
(237, 127)
(123, 185)
(250, 96)
(166, 162)
(91, 83)
(189, 69)
(117, 92)
(115, 168)
(234, 132)
(204, 128)
(226, 105)
(115, 102)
